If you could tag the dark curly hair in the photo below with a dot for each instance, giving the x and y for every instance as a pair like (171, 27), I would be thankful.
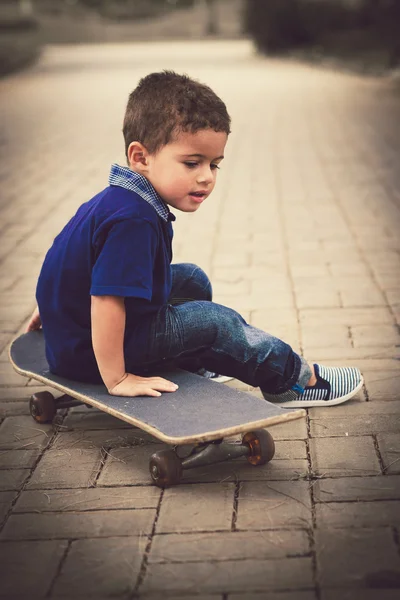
(165, 104)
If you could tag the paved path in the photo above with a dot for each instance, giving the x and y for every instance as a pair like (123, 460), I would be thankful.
(301, 236)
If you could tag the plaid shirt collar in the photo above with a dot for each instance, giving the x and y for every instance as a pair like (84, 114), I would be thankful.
(130, 180)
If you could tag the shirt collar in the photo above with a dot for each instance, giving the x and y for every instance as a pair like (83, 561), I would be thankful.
(130, 180)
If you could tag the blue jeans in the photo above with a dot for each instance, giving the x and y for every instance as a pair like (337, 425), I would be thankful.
(191, 332)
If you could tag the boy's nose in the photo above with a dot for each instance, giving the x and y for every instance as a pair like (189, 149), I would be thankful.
(205, 176)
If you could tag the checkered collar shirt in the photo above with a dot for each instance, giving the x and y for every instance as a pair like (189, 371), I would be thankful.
(130, 180)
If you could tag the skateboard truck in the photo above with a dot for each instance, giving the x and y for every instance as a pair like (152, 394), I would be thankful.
(166, 466)
(43, 406)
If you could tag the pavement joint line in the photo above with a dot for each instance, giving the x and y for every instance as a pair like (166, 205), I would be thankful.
(365, 391)
(77, 511)
(23, 487)
(104, 454)
(236, 560)
(311, 530)
(145, 560)
(59, 569)
(209, 532)
(396, 538)
(379, 455)
(350, 336)
(238, 486)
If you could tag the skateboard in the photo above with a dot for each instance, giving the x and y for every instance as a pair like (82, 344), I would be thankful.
(201, 413)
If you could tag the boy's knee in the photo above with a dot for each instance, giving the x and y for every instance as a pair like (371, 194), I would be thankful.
(200, 280)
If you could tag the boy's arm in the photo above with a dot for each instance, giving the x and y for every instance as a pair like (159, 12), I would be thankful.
(108, 328)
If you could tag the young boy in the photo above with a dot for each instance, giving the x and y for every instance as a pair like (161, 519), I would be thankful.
(112, 306)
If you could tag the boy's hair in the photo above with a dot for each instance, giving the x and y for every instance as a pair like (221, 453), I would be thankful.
(164, 104)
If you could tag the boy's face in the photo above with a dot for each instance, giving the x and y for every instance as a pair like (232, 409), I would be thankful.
(184, 171)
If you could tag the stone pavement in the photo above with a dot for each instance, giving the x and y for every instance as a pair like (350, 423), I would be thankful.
(301, 236)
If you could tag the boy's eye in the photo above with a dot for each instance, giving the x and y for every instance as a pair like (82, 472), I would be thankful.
(191, 164)
(214, 166)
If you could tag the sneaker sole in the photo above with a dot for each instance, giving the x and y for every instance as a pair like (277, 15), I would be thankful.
(221, 379)
(312, 403)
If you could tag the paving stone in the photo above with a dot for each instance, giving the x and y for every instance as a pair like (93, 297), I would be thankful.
(372, 363)
(356, 418)
(357, 489)
(128, 466)
(290, 449)
(228, 546)
(336, 336)
(345, 355)
(360, 292)
(316, 297)
(389, 446)
(347, 557)
(240, 470)
(8, 394)
(297, 595)
(71, 468)
(346, 594)
(382, 385)
(358, 514)
(23, 433)
(6, 499)
(5, 339)
(229, 288)
(8, 409)
(265, 320)
(13, 479)
(18, 459)
(40, 562)
(344, 456)
(88, 499)
(375, 335)
(202, 507)
(236, 273)
(185, 597)
(346, 316)
(102, 438)
(293, 430)
(241, 576)
(92, 569)
(77, 525)
(9, 377)
(278, 504)
(355, 408)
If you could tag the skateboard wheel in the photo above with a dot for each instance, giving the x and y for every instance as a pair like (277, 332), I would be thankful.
(262, 446)
(165, 468)
(42, 407)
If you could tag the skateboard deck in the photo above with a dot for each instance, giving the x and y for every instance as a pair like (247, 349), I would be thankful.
(199, 411)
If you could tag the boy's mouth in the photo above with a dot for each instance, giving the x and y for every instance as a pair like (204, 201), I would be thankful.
(198, 196)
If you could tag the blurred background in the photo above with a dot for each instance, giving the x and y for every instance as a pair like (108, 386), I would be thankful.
(364, 33)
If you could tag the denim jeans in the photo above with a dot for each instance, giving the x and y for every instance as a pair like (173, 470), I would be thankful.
(191, 332)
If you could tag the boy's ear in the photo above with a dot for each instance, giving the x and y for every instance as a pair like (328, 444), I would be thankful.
(138, 157)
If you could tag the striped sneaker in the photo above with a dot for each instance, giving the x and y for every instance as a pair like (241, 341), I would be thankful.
(334, 386)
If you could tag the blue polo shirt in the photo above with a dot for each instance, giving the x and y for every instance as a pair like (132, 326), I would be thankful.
(117, 244)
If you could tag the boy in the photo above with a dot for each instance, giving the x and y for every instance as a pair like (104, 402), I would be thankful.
(112, 306)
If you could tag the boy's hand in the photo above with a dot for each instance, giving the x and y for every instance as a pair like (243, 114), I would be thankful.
(133, 385)
(35, 321)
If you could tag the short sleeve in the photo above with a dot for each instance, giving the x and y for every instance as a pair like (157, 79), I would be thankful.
(125, 262)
